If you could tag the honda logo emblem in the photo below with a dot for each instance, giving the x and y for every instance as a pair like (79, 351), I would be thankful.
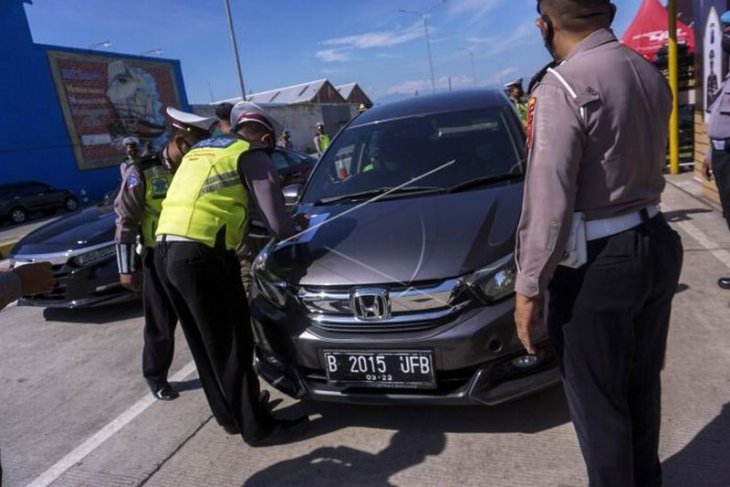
(370, 304)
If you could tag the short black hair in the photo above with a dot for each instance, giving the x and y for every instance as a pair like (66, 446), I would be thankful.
(578, 15)
(223, 111)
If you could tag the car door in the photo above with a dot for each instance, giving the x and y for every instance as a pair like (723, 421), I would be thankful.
(41, 196)
(282, 166)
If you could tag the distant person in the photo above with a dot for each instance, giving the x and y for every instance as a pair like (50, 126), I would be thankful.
(223, 114)
(516, 95)
(131, 150)
(25, 280)
(321, 139)
(144, 186)
(717, 162)
(285, 140)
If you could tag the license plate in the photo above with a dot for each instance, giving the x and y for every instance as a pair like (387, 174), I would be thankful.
(407, 369)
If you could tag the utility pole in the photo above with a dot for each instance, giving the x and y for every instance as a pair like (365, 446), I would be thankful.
(424, 17)
(235, 48)
(473, 66)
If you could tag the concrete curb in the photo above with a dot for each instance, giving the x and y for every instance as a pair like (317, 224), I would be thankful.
(5, 248)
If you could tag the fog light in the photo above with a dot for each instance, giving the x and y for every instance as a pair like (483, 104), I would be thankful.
(526, 361)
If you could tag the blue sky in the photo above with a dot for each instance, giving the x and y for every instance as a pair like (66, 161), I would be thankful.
(284, 42)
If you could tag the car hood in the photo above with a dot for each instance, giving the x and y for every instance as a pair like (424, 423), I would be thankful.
(403, 240)
(88, 228)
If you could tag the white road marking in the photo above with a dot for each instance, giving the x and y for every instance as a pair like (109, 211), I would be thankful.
(91, 444)
(721, 254)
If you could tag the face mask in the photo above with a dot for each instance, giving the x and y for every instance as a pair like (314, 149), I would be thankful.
(549, 36)
(726, 43)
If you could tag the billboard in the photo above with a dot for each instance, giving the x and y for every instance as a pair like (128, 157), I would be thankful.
(105, 99)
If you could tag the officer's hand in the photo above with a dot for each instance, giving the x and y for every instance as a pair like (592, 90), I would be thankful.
(35, 278)
(131, 281)
(707, 169)
(527, 318)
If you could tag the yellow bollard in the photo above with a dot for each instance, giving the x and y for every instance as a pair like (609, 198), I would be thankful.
(674, 85)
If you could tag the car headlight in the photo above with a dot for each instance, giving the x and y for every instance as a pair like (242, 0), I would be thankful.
(495, 281)
(94, 256)
(271, 287)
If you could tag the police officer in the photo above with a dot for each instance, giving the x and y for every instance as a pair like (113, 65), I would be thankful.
(717, 162)
(516, 95)
(203, 221)
(597, 135)
(131, 150)
(321, 139)
(138, 204)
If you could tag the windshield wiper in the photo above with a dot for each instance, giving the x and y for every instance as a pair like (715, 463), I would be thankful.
(379, 191)
(482, 181)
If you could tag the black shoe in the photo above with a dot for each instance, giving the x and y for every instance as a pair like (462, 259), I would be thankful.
(284, 431)
(231, 429)
(724, 282)
(165, 392)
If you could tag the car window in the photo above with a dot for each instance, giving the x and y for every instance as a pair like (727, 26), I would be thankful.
(280, 160)
(38, 188)
(388, 154)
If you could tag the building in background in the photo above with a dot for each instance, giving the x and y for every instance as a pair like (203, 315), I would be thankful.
(300, 107)
(66, 111)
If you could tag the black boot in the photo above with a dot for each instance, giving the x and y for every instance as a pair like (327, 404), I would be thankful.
(724, 282)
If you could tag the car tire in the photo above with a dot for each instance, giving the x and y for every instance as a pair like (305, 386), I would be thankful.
(18, 215)
(71, 204)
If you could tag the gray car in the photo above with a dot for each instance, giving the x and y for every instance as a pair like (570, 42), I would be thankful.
(402, 288)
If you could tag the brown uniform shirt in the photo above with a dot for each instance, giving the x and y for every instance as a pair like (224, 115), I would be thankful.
(600, 152)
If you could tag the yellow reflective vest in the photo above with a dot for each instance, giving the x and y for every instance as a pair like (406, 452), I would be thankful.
(207, 194)
(157, 180)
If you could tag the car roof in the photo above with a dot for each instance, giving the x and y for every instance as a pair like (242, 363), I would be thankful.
(454, 101)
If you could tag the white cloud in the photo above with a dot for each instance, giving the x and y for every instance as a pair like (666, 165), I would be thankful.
(370, 40)
(475, 8)
(525, 33)
(333, 55)
(424, 85)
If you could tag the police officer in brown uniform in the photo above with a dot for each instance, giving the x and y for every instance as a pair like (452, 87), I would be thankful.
(717, 163)
(138, 204)
(597, 135)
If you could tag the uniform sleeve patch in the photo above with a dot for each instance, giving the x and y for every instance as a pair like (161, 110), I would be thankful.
(133, 180)
(531, 106)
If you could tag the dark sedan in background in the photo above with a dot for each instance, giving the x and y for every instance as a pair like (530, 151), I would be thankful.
(402, 288)
(81, 247)
(18, 200)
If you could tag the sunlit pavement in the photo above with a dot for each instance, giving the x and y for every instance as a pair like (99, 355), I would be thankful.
(73, 408)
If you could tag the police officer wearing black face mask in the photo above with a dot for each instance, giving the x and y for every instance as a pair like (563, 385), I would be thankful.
(717, 162)
(600, 250)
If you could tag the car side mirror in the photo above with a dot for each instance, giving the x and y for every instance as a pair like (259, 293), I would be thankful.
(292, 193)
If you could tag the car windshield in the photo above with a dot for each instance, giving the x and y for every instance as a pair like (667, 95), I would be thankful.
(383, 156)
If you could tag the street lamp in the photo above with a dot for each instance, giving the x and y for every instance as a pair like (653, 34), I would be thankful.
(151, 52)
(100, 44)
(424, 16)
(473, 68)
(235, 48)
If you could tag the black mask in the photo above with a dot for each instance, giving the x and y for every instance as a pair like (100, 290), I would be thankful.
(549, 36)
(726, 43)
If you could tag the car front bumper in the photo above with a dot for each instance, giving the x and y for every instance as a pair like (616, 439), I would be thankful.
(473, 356)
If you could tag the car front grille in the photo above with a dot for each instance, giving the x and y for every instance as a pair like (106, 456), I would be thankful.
(411, 308)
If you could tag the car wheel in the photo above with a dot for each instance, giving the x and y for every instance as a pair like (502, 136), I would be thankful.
(18, 215)
(71, 204)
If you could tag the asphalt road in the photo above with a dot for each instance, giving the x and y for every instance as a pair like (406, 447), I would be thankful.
(74, 410)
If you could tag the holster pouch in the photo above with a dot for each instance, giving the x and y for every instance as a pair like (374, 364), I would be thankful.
(576, 254)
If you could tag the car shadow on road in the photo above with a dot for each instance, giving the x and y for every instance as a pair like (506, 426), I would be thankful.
(538, 412)
(420, 432)
(96, 316)
(704, 461)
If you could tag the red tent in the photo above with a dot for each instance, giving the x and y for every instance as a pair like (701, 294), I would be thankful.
(649, 32)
